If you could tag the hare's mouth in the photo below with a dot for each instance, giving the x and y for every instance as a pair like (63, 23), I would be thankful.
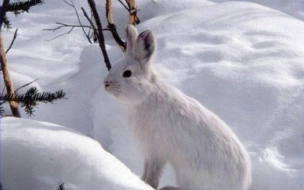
(113, 89)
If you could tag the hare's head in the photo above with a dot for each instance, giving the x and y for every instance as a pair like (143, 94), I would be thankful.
(131, 79)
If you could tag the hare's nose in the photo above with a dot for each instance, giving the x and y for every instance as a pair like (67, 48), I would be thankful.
(107, 83)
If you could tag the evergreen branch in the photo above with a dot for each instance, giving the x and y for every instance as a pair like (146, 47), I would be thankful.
(7, 24)
(33, 95)
(61, 186)
(3, 18)
(30, 99)
(14, 38)
(1, 111)
(21, 7)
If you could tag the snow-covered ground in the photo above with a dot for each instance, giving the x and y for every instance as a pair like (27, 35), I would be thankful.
(244, 60)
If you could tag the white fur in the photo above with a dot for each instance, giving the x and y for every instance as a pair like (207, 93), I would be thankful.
(172, 127)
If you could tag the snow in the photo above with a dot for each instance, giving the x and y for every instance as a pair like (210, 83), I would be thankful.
(39, 155)
(241, 59)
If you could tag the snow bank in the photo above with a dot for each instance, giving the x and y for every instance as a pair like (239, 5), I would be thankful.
(39, 155)
(292, 7)
(241, 60)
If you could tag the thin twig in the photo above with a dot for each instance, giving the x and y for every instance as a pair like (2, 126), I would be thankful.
(62, 25)
(90, 21)
(101, 39)
(91, 32)
(72, 5)
(112, 26)
(69, 3)
(15, 36)
(26, 85)
(124, 5)
(61, 35)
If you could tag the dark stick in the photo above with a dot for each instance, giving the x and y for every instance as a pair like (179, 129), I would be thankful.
(15, 36)
(100, 34)
(25, 85)
(90, 21)
(112, 26)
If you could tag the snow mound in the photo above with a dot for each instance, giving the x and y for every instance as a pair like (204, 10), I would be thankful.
(243, 61)
(39, 155)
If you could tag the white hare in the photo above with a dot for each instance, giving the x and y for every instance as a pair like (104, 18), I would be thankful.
(172, 127)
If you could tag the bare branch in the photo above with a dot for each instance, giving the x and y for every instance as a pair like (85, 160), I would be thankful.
(69, 3)
(25, 85)
(90, 21)
(124, 5)
(72, 5)
(14, 38)
(109, 13)
(4, 66)
(133, 19)
(62, 25)
(60, 34)
(100, 34)
(112, 26)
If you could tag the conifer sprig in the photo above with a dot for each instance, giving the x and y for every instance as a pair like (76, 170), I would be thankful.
(18, 7)
(22, 6)
(31, 98)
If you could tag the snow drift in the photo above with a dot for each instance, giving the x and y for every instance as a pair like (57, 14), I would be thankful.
(39, 155)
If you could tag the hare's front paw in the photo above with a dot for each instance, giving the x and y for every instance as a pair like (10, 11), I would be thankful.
(152, 171)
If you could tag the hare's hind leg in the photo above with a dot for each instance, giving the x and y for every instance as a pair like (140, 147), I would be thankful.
(152, 171)
(170, 188)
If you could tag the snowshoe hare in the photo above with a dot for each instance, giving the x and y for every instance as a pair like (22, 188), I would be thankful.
(172, 127)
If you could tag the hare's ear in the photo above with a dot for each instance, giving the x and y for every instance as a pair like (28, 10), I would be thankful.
(144, 48)
(131, 38)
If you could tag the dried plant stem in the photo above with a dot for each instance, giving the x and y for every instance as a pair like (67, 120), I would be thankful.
(100, 36)
(133, 19)
(112, 27)
(7, 79)
(6, 76)
(14, 38)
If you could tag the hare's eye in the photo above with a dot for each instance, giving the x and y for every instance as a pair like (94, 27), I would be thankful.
(127, 74)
